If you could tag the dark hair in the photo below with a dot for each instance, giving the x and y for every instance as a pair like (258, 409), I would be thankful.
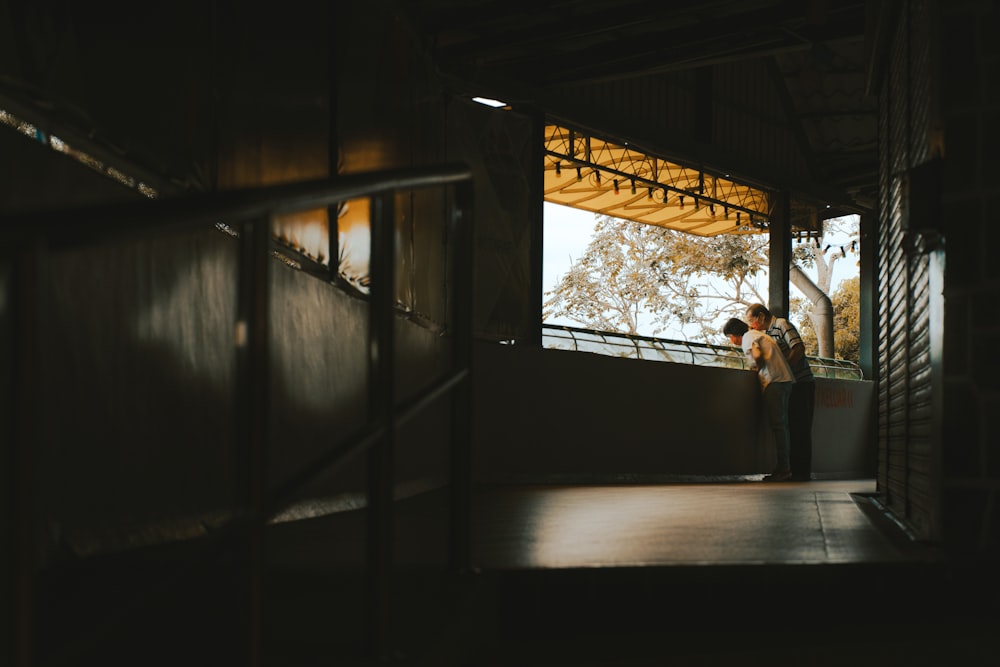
(735, 327)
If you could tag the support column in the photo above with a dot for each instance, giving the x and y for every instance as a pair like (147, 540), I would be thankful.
(381, 400)
(537, 246)
(19, 467)
(252, 426)
(780, 255)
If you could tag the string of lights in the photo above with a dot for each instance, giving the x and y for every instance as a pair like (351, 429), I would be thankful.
(814, 238)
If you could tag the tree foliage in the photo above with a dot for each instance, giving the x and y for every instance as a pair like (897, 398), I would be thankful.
(630, 271)
(634, 276)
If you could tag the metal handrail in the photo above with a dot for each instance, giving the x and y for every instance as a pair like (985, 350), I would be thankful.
(634, 346)
(146, 217)
(28, 237)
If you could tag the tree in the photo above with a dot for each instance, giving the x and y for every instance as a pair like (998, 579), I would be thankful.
(822, 254)
(630, 270)
(634, 276)
(846, 321)
(613, 283)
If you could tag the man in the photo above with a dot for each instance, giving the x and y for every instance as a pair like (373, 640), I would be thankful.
(802, 404)
(776, 381)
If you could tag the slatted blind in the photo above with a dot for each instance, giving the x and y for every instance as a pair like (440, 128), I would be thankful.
(905, 423)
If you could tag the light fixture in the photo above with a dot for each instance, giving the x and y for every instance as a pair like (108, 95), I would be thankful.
(649, 193)
(579, 174)
(558, 169)
(633, 186)
(616, 185)
(681, 200)
(496, 104)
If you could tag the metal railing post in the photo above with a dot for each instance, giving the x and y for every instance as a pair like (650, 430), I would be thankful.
(381, 398)
(463, 263)
(24, 356)
(252, 420)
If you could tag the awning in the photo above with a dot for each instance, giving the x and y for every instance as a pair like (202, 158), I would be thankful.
(586, 172)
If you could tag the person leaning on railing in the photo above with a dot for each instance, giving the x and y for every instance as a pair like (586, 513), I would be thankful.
(801, 405)
(776, 382)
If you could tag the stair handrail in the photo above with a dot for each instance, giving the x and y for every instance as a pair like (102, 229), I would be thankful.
(26, 236)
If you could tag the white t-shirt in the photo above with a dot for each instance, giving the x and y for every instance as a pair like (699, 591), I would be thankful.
(775, 367)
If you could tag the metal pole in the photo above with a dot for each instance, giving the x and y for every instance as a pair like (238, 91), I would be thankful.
(381, 396)
(252, 410)
(24, 356)
(781, 255)
(462, 400)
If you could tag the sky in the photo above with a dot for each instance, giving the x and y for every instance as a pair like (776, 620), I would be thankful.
(568, 231)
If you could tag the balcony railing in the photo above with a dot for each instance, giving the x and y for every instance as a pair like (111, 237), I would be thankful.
(632, 346)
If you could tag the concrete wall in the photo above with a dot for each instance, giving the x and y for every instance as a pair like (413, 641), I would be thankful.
(555, 415)
(138, 386)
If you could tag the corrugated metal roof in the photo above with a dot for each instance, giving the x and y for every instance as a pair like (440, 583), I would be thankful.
(774, 90)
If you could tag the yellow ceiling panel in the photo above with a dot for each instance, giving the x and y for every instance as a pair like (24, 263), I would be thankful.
(585, 172)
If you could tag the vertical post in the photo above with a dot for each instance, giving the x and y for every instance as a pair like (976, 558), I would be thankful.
(24, 357)
(462, 399)
(333, 239)
(252, 411)
(780, 255)
(868, 296)
(936, 316)
(868, 331)
(536, 247)
(381, 398)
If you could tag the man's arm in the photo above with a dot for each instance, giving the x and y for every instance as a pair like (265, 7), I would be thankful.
(796, 350)
(796, 353)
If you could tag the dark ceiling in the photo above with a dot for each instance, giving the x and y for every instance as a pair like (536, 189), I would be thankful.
(817, 48)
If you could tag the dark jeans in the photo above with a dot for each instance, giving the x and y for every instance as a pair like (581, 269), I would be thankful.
(776, 400)
(801, 406)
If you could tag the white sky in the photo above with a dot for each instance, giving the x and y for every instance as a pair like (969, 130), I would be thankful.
(568, 231)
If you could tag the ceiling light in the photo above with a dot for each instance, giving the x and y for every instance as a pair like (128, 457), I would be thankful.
(496, 104)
